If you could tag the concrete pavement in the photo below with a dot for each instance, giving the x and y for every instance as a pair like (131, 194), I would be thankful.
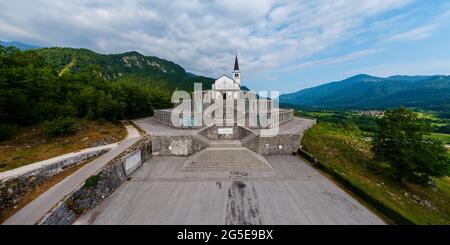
(293, 193)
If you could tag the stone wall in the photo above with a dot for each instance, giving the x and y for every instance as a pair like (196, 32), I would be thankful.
(213, 133)
(287, 143)
(176, 145)
(14, 188)
(278, 145)
(96, 188)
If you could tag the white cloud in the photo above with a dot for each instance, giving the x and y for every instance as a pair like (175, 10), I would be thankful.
(333, 60)
(199, 35)
(426, 67)
(425, 31)
(419, 33)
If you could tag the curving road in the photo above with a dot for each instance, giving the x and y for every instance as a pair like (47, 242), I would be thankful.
(35, 210)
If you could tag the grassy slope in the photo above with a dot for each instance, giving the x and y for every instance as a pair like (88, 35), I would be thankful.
(350, 154)
(443, 137)
(31, 144)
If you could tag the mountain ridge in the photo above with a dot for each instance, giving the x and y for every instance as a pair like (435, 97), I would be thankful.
(18, 45)
(363, 91)
(128, 65)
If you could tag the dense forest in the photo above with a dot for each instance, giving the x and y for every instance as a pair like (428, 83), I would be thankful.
(148, 70)
(34, 91)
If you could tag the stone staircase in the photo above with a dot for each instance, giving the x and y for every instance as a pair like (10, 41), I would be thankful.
(224, 156)
(249, 138)
(203, 139)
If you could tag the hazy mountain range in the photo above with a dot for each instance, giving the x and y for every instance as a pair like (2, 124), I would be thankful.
(368, 92)
(19, 45)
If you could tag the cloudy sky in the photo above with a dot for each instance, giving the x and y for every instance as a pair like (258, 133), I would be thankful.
(282, 45)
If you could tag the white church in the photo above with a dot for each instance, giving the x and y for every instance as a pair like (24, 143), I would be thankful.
(225, 83)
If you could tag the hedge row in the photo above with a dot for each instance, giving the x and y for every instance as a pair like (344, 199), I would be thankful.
(387, 211)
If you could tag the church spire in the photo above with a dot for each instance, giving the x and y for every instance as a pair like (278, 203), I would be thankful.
(237, 72)
(236, 63)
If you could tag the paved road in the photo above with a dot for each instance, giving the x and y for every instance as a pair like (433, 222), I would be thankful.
(293, 193)
(37, 165)
(132, 132)
(36, 209)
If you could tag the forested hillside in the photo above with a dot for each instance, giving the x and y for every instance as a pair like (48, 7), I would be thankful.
(134, 66)
(34, 91)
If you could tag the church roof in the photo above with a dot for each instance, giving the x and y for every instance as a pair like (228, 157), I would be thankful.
(236, 64)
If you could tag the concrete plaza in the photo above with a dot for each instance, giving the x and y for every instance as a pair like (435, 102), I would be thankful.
(292, 193)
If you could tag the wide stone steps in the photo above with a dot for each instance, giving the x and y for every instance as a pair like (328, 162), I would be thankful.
(226, 157)
(224, 169)
(202, 139)
(248, 138)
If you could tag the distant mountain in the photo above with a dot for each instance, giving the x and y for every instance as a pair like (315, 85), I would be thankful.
(368, 92)
(131, 65)
(18, 45)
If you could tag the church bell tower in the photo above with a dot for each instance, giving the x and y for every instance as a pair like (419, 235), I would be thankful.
(236, 72)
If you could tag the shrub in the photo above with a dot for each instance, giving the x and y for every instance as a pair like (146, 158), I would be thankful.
(61, 126)
(92, 181)
(444, 129)
(7, 131)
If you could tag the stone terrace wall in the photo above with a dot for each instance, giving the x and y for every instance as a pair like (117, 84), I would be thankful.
(283, 143)
(278, 145)
(95, 189)
(212, 133)
(176, 145)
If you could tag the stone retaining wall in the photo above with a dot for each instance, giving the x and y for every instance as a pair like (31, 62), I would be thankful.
(278, 145)
(15, 187)
(176, 145)
(286, 143)
(96, 188)
(212, 133)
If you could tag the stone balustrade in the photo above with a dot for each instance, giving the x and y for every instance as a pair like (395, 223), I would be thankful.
(273, 119)
(163, 116)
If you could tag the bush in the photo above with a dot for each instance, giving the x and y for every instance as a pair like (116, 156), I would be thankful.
(444, 129)
(61, 126)
(7, 131)
(92, 181)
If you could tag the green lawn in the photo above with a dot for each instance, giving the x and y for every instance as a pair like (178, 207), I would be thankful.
(350, 155)
(433, 119)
